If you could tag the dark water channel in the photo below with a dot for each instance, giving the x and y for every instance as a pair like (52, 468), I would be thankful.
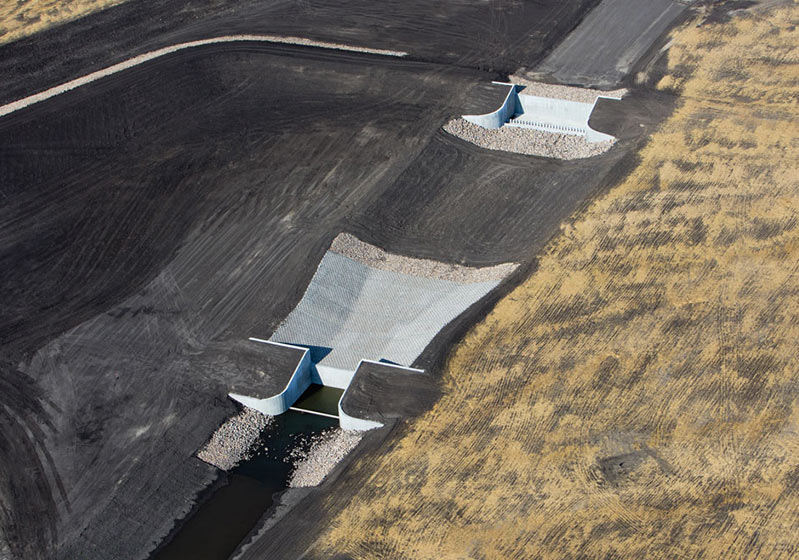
(319, 398)
(225, 519)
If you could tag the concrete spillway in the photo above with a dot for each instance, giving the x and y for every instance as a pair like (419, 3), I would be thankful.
(384, 310)
(358, 312)
(542, 113)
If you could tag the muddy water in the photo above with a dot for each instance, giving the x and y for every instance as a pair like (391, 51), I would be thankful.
(222, 522)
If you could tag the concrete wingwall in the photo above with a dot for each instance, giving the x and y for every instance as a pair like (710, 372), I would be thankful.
(497, 118)
(300, 380)
(543, 113)
(594, 135)
(353, 424)
(304, 374)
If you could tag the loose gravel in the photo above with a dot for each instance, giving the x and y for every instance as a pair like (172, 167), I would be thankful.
(527, 141)
(569, 93)
(325, 452)
(234, 440)
(353, 248)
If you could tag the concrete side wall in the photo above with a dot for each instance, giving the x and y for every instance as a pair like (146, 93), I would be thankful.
(332, 376)
(497, 118)
(594, 135)
(300, 380)
(380, 394)
(352, 424)
(555, 111)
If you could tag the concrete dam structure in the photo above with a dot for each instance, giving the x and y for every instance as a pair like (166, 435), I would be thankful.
(368, 311)
(542, 113)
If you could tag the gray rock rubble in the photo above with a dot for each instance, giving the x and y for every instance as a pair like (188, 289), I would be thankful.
(527, 140)
(327, 449)
(233, 441)
(353, 248)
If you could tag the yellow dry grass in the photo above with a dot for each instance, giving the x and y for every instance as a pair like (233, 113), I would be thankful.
(638, 395)
(20, 18)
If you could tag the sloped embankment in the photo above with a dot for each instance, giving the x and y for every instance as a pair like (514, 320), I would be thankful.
(638, 394)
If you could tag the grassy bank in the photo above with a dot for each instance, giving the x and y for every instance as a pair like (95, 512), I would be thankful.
(20, 19)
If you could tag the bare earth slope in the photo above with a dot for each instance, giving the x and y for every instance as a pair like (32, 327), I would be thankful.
(154, 220)
(638, 395)
(495, 36)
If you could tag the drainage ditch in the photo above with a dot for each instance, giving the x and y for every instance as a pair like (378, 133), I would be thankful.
(217, 527)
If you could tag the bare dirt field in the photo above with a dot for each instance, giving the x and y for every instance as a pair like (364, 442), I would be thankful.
(154, 220)
(637, 395)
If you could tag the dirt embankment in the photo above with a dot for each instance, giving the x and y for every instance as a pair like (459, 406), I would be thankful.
(637, 395)
(168, 217)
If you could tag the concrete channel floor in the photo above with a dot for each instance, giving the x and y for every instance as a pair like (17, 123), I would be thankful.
(360, 312)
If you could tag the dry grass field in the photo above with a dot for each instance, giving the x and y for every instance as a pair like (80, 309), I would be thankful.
(20, 18)
(638, 396)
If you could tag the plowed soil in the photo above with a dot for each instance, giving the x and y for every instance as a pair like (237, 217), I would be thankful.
(183, 206)
(637, 395)
(152, 221)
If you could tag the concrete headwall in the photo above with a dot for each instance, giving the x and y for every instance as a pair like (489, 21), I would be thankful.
(542, 113)
(300, 380)
(331, 376)
(496, 119)
(555, 111)
(557, 115)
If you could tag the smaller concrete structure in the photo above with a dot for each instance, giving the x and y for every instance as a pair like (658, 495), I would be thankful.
(542, 113)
